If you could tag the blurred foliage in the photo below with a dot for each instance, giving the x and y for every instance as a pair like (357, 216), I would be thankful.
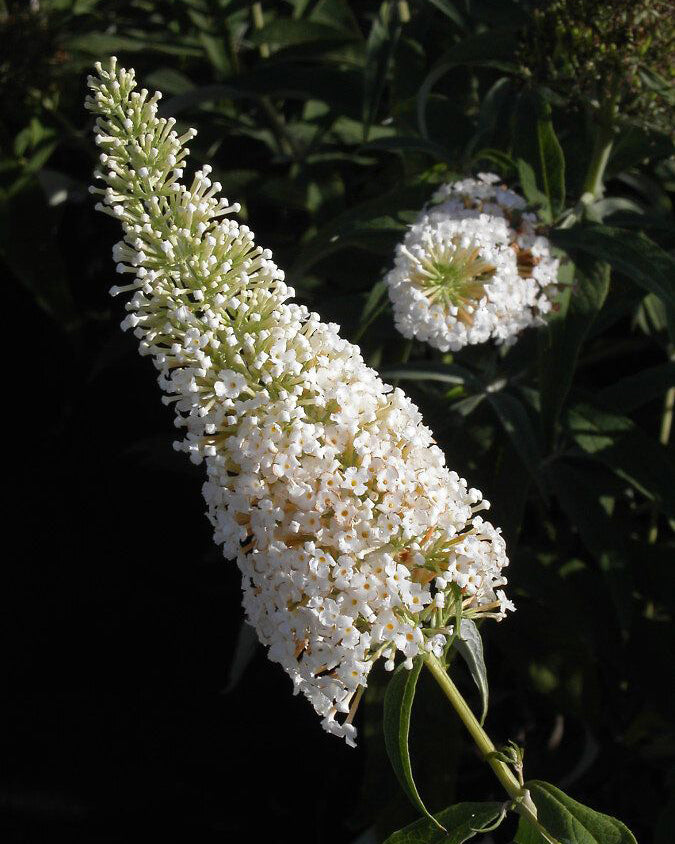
(332, 122)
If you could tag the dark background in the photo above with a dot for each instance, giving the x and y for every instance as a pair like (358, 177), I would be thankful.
(132, 705)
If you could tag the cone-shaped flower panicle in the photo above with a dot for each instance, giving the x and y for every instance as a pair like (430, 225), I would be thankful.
(472, 268)
(353, 539)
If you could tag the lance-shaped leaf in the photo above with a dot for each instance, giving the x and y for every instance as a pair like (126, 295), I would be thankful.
(487, 49)
(580, 493)
(398, 702)
(631, 253)
(551, 160)
(570, 822)
(634, 391)
(470, 647)
(382, 40)
(444, 373)
(625, 449)
(562, 339)
(516, 422)
(462, 821)
(541, 159)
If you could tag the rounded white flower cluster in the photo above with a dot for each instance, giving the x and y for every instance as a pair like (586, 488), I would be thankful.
(472, 268)
(353, 538)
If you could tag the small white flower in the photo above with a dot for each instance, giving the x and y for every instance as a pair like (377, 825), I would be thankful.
(229, 384)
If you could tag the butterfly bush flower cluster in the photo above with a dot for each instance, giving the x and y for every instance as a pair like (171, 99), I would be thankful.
(353, 538)
(472, 268)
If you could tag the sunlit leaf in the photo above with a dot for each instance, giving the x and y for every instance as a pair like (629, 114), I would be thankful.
(570, 822)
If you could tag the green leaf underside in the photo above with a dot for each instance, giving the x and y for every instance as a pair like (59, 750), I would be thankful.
(570, 822)
(470, 647)
(398, 702)
(461, 822)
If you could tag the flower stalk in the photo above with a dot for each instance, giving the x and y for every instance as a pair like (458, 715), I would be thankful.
(522, 802)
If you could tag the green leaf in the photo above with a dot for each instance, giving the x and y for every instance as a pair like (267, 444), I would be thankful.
(449, 11)
(376, 303)
(542, 162)
(528, 183)
(517, 424)
(443, 372)
(398, 702)
(104, 44)
(374, 225)
(380, 47)
(580, 492)
(286, 32)
(488, 49)
(528, 834)
(168, 80)
(203, 94)
(631, 253)
(551, 160)
(618, 443)
(340, 87)
(412, 144)
(462, 821)
(573, 823)
(500, 161)
(634, 391)
(470, 647)
(30, 247)
(561, 341)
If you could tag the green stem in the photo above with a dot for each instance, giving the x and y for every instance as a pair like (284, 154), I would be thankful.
(522, 801)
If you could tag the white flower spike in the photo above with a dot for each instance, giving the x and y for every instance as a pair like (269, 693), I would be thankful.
(353, 539)
(472, 268)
